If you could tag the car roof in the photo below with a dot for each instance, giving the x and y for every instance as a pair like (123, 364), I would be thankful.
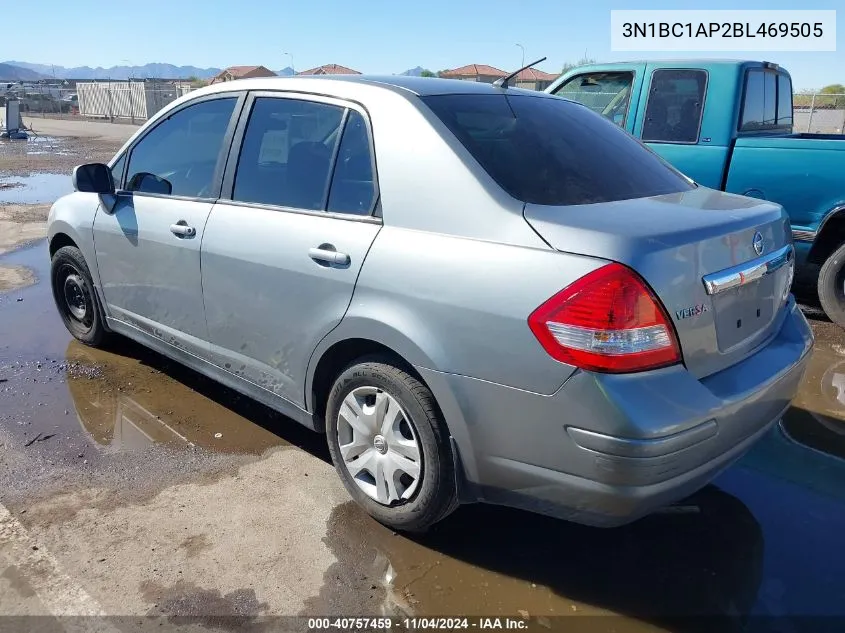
(331, 84)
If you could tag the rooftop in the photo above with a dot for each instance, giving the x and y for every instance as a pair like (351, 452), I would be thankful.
(329, 69)
(240, 71)
(472, 70)
(532, 74)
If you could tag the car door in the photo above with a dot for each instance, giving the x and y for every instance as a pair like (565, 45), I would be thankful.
(284, 244)
(148, 246)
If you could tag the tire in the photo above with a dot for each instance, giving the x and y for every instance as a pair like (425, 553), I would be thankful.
(831, 286)
(75, 297)
(404, 506)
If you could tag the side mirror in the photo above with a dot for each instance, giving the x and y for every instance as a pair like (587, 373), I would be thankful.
(149, 183)
(93, 178)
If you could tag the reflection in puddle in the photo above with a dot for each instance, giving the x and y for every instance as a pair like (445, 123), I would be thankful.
(133, 404)
(34, 189)
(817, 417)
(487, 560)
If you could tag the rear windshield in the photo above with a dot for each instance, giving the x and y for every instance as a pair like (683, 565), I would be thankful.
(552, 151)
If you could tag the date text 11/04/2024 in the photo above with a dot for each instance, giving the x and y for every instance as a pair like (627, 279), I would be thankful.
(722, 29)
(414, 624)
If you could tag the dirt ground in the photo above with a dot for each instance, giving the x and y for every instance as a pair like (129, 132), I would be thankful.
(57, 148)
(135, 494)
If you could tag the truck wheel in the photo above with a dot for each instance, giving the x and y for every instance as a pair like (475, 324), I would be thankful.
(389, 445)
(831, 286)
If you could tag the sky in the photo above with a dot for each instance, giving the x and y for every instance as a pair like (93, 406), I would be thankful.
(372, 36)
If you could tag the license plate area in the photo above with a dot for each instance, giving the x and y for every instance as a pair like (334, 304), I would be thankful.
(742, 312)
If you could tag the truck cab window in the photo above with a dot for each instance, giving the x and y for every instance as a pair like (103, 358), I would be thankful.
(784, 113)
(607, 93)
(675, 105)
(759, 104)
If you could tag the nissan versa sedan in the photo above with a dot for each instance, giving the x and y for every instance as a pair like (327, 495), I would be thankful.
(478, 293)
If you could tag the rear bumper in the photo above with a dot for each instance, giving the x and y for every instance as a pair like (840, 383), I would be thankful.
(608, 449)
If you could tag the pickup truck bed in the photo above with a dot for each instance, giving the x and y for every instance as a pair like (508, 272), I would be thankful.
(802, 172)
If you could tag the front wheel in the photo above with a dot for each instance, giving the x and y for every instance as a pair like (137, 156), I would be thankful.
(831, 286)
(75, 297)
(389, 445)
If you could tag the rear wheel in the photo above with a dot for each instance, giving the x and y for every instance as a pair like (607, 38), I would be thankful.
(831, 286)
(76, 300)
(389, 445)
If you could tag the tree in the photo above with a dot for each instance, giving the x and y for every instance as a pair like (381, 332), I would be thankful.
(427, 73)
(833, 89)
(831, 102)
(584, 60)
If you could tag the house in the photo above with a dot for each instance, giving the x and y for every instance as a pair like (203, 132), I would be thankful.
(475, 72)
(533, 79)
(242, 72)
(329, 69)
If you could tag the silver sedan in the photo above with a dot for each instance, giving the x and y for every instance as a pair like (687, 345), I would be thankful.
(477, 293)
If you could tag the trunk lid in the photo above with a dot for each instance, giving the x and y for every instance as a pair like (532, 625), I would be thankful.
(696, 249)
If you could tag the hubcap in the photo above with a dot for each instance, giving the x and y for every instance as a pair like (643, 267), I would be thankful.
(379, 445)
(75, 296)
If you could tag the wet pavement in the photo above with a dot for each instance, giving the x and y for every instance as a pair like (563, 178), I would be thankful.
(56, 154)
(116, 458)
(37, 188)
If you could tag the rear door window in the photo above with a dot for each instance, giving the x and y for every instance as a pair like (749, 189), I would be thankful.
(675, 104)
(287, 153)
(353, 186)
(606, 93)
(550, 151)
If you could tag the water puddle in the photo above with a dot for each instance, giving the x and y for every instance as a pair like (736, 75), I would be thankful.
(126, 398)
(137, 398)
(34, 189)
(498, 561)
(817, 418)
(35, 146)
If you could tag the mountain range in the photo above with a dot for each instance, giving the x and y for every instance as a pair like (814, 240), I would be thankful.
(159, 71)
(413, 72)
(26, 71)
(17, 73)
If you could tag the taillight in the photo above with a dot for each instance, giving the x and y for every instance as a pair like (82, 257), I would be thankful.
(607, 321)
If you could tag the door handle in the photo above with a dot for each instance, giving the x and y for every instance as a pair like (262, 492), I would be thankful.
(328, 255)
(182, 229)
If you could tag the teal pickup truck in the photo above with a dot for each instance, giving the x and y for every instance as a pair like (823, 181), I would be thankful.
(729, 125)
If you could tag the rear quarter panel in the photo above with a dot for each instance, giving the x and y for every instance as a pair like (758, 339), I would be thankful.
(806, 176)
(461, 306)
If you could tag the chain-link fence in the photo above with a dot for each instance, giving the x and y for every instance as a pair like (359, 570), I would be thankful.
(819, 113)
(131, 101)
